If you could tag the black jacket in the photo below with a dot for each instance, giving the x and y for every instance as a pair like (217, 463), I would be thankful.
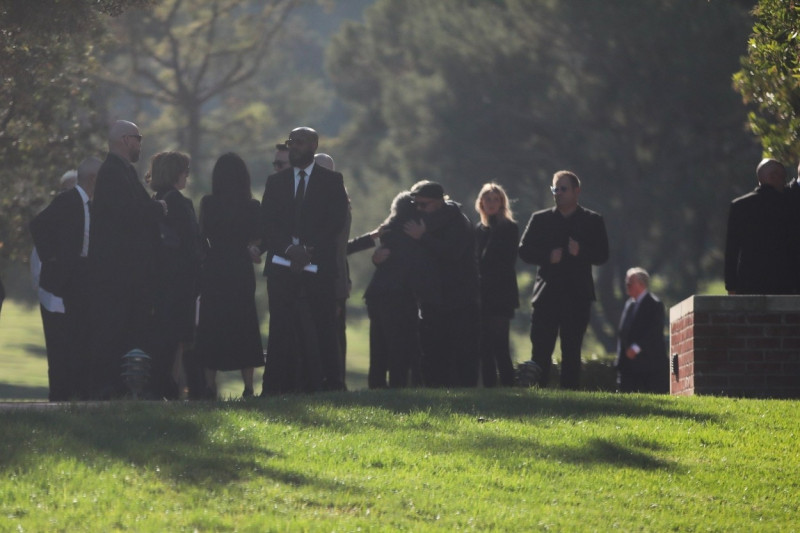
(760, 245)
(647, 331)
(571, 279)
(497, 257)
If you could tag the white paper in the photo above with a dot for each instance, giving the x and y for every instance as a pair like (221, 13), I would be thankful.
(282, 261)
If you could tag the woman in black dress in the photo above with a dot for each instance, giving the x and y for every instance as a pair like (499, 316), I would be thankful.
(497, 240)
(178, 266)
(228, 332)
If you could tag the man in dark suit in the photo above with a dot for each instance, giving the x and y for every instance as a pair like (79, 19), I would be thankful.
(303, 211)
(759, 256)
(642, 363)
(564, 242)
(124, 235)
(61, 236)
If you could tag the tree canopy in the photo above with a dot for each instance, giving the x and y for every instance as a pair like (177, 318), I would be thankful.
(48, 106)
(198, 71)
(769, 79)
(634, 96)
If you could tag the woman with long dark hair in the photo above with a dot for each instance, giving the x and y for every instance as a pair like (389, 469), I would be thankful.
(228, 333)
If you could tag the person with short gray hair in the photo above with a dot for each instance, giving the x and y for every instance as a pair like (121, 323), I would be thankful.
(641, 362)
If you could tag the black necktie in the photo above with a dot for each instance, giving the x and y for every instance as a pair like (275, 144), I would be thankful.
(298, 202)
(627, 319)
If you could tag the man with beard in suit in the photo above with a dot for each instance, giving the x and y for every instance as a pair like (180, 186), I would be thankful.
(61, 236)
(303, 211)
(564, 241)
(123, 235)
(642, 363)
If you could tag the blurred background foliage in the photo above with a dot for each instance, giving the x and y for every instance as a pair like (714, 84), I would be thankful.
(636, 97)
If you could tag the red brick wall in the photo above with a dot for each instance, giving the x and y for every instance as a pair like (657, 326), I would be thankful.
(744, 346)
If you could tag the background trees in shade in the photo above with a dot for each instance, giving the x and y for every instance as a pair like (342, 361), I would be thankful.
(50, 116)
(635, 97)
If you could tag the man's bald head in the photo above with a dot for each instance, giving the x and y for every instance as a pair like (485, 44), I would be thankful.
(125, 140)
(771, 173)
(302, 145)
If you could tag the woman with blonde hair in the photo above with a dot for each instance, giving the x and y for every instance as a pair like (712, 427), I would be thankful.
(178, 268)
(496, 239)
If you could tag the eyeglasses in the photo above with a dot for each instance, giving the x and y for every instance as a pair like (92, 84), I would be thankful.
(422, 203)
(290, 142)
(556, 190)
(137, 137)
(278, 165)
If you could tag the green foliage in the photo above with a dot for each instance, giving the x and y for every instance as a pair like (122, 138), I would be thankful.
(633, 96)
(769, 78)
(413, 460)
(208, 76)
(48, 112)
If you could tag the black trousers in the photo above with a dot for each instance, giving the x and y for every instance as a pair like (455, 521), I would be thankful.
(450, 351)
(393, 339)
(66, 338)
(121, 320)
(496, 351)
(61, 367)
(303, 347)
(567, 320)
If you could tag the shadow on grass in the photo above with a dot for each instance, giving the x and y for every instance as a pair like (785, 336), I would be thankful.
(191, 443)
(21, 392)
(34, 350)
(511, 403)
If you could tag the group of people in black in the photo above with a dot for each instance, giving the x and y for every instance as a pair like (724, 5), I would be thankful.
(126, 269)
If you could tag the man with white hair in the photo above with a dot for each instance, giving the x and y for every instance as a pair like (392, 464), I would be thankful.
(124, 236)
(642, 363)
(68, 180)
(61, 235)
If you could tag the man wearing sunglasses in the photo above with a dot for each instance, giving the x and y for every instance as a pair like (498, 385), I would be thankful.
(564, 242)
(304, 209)
(122, 245)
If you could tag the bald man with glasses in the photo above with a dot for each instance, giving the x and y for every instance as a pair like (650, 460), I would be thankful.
(123, 237)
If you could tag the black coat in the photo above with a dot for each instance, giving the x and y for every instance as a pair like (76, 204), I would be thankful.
(448, 243)
(58, 236)
(760, 245)
(325, 207)
(497, 257)
(178, 268)
(647, 331)
(571, 279)
(124, 230)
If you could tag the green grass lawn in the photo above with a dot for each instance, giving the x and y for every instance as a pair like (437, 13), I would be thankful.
(411, 460)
